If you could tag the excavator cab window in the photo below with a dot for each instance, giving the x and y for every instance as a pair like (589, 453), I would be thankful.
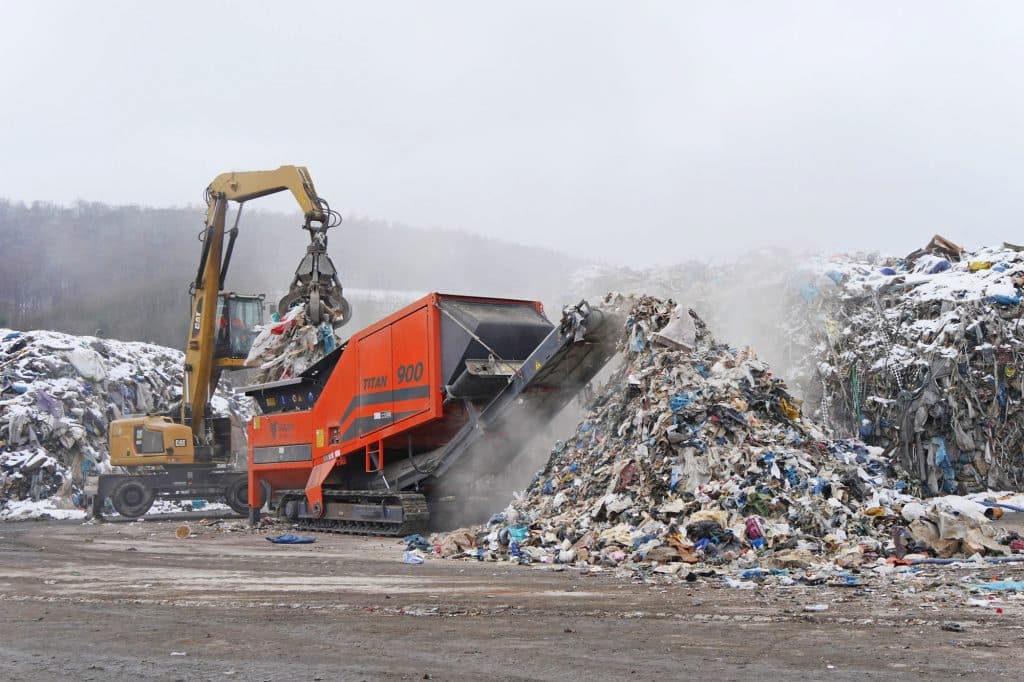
(148, 442)
(237, 318)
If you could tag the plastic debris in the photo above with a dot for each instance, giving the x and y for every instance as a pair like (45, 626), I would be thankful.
(289, 346)
(1001, 586)
(924, 363)
(59, 392)
(703, 456)
(289, 539)
(417, 541)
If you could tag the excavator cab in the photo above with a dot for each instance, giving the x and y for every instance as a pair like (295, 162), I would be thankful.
(238, 316)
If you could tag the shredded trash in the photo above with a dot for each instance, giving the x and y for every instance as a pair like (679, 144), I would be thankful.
(288, 346)
(920, 355)
(923, 356)
(59, 392)
(702, 456)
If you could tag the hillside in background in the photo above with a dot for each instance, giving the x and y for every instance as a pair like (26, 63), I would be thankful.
(123, 271)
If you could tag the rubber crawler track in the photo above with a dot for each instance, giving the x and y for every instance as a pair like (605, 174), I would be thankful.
(415, 514)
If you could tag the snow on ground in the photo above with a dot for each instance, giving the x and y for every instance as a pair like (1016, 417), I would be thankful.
(21, 510)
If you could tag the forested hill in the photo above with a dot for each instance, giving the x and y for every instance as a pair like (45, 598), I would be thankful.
(123, 271)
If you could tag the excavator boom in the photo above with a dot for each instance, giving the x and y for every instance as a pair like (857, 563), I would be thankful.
(246, 185)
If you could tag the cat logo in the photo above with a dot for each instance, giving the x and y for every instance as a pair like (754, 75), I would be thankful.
(197, 321)
(180, 442)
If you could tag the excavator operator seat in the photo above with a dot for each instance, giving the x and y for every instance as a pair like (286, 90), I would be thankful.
(237, 318)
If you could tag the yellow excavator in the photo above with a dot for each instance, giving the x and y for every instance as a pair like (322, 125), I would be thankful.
(185, 452)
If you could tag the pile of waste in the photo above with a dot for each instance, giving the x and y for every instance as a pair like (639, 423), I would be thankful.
(923, 357)
(919, 355)
(694, 452)
(59, 392)
(288, 346)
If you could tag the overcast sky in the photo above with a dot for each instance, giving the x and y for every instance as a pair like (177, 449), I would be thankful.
(635, 133)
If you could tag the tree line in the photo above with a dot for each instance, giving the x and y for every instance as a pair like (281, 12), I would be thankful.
(123, 271)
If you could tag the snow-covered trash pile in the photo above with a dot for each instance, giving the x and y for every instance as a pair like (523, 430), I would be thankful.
(50, 508)
(59, 392)
(288, 346)
(924, 357)
(694, 452)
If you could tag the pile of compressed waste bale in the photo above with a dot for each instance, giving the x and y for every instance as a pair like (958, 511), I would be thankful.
(59, 392)
(694, 452)
(289, 345)
(923, 357)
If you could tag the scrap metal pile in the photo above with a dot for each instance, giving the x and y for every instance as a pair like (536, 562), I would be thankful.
(58, 393)
(288, 346)
(922, 356)
(694, 452)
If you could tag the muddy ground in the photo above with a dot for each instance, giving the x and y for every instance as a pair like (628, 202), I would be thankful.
(129, 600)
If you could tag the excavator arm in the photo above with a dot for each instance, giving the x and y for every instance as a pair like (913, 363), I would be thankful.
(315, 282)
(242, 187)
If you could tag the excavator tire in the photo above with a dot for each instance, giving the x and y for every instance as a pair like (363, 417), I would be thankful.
(132, 499)
(237, 496)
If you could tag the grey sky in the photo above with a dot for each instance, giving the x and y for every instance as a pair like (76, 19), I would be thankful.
(633, 132)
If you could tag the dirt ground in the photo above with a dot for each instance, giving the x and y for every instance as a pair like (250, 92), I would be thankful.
(129, 600)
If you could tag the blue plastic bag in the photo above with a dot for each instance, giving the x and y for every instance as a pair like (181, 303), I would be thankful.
(289, 539)
(518, 533)
(1003, 299)
(809, 292)
(637, 341)
(943, 462)
(679, 401)
(327, 338)
(416, 541)
(1001, 586)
